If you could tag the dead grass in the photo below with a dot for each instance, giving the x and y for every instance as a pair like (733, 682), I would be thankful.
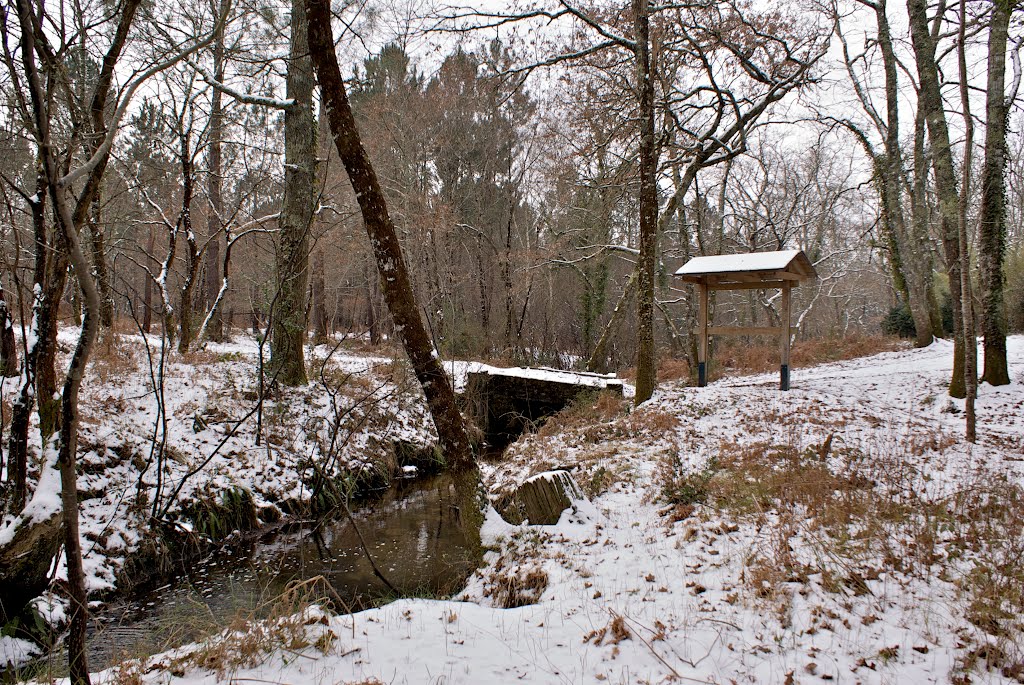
(673, 370)
(612, 634)
(113, 358)
(589, 410)
(291, 623)
(842, 518)
(517, 578)
(761, 356)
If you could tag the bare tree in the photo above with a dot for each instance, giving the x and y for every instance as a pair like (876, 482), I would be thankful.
(925, 40)
(71, 186)
(992, 224)
(908, 247)
(297, 209)
(394, 277)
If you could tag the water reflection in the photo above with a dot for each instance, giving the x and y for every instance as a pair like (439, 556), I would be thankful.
(416, 534)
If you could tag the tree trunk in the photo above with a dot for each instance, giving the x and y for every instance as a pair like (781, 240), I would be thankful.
(372, 321)
(17, 452)
(8, 341)
(970, 341)
(186, 304)
(47, 398)
(909, 264)
(25, 561)
(99, 262)
(214, 189)
(646, 367)
(992, 227)
(318, 308)
(287, 363)
(920, 219)
(930, 100)
(147, 288)
(451, 429)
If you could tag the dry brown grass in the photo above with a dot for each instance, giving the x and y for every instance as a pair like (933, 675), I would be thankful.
(612, 634)
(587, 411)
(856, 516)
(673, 370)
(246, 642)
(515, 581)
(762, 356)
(113, 358)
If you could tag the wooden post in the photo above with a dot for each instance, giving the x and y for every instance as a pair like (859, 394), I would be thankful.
(702, 343)
(785, 336)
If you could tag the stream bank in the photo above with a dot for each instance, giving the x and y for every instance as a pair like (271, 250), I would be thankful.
(422, 533)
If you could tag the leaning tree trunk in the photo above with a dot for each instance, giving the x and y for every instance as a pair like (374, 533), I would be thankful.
(394, 277)
(287, 363)
(930, 100)
(646, 367)
(992, 227)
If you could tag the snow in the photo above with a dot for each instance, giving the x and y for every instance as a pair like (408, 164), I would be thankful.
(637, 592)
(14, 652)
(755, 261)
(590, 380)
(44, 503)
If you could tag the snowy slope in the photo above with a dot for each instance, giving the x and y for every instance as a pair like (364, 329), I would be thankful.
(745, 583)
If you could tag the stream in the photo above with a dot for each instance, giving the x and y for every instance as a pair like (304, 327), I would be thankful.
(414, 533)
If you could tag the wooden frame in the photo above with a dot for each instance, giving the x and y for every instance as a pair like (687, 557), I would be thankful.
(782, 270)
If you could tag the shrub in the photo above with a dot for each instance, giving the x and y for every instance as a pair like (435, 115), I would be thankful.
(899, 322)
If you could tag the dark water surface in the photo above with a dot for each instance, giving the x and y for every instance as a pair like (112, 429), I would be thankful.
(415, 534)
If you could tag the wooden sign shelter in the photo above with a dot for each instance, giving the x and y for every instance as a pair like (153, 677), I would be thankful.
(784, 270)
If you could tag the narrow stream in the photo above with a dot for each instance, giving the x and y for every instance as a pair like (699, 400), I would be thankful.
(414, 533)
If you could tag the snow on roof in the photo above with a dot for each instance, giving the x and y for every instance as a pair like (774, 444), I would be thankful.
(593, 380)
(737, 263)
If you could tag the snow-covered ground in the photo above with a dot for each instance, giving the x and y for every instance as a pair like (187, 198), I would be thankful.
(200, 415)
(841, 532)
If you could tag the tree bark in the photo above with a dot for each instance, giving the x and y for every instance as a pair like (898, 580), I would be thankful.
(910, 259)
(930, 101)
(646, 366)
(99, 262)
(397, 289)
(214, 189)
(970, 340)
(186, 305)
(318, 307)
(992, 226)
(147, 288)
(287, 362)
(8, 341)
